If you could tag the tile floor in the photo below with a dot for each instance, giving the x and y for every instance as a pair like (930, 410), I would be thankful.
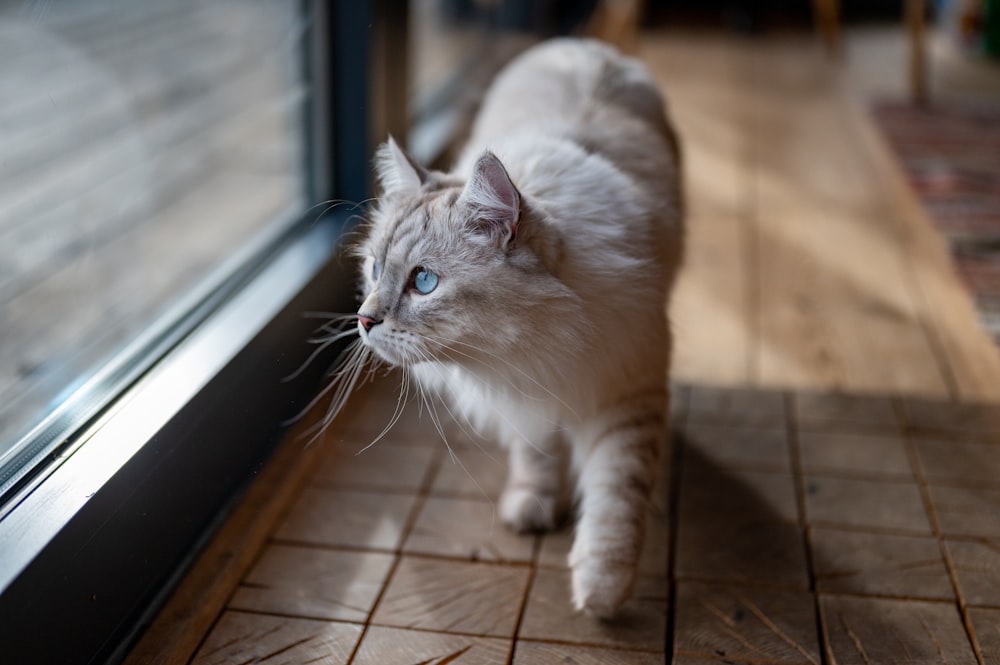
(788, 527)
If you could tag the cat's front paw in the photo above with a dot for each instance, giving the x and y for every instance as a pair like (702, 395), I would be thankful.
(527, 511)
(600, 584)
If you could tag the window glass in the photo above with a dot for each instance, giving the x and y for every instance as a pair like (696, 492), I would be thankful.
(143, 145)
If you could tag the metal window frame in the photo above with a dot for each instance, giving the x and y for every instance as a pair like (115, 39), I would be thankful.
(90, 553)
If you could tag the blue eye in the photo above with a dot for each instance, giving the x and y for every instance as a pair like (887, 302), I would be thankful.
(375, 270)
(424, 281)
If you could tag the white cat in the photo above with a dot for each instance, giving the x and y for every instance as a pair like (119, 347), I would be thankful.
(528, 287)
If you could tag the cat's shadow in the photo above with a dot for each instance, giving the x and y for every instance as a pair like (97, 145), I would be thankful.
(741, 581)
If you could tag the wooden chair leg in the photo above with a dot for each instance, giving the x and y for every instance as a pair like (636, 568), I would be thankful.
(916, 27)
(827, 15)
(617, 22)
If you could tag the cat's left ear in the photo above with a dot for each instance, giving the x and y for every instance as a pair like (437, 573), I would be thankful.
(398, 173)
(493, 199)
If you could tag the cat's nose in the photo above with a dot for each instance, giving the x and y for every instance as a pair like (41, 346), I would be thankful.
(367, 322)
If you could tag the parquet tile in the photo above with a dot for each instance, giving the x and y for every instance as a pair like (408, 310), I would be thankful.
(879, 564)
(541, 653)
(866, 504)
(313, 583)
(239, 637)
(549, 615)
(862, 631)
(465, 529)
(453, 597)
(745, 624)
(394, 646)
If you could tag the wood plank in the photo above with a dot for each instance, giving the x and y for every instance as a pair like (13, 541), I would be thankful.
(835, 307)
(710, 311)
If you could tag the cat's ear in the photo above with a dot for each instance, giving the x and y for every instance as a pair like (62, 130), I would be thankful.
(398, 173)
(493, 200)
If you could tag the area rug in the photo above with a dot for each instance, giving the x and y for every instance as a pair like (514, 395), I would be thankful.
(951, 157)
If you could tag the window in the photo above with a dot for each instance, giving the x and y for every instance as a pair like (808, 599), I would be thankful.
(147, 149)
(165, 173)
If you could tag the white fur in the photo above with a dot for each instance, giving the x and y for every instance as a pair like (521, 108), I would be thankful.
(553, 335)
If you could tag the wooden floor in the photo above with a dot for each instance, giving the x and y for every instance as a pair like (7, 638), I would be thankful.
(810, 263)
(831, 494)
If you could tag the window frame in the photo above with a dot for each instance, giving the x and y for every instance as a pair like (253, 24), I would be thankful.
(89, 553)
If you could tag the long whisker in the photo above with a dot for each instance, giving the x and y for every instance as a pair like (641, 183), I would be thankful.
(472, 436)
(342, 393)
(445, 351)
(507, 421)
(445, 348)
(334, 322)
(436, 420)
(517, 369)
(333, 316)
(333, 203)
(333, 336)
(324, 344)
(404, 391)
(353, 355)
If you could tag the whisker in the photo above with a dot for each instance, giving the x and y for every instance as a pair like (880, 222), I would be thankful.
(341, 394)
(332, 337)
(446, 349)
(556, 426)
(354, 353)
(344, 368)
(333, 203)
(397, 412)
(472, 436)
(507, 421)
(333, 316)
(326, 342)
(520, 371)
(436, 420)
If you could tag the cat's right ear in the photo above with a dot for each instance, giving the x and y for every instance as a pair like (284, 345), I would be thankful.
(493, 199)
(398, 173)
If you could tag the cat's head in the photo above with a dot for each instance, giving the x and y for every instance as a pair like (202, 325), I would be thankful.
(447, 273)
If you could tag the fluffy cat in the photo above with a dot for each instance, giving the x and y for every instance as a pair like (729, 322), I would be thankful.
(528, 288)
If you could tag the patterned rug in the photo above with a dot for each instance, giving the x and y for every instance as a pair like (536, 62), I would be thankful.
(952, 158)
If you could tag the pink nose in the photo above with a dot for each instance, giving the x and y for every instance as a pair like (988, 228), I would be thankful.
(366, 322)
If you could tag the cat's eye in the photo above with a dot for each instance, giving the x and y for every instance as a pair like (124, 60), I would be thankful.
(424, 280)
(374, 270)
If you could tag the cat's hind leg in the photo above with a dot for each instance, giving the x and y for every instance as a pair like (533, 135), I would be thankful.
(616, 478)
(535, 498)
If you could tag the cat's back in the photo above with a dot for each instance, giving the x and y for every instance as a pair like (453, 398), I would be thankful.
(575, 88)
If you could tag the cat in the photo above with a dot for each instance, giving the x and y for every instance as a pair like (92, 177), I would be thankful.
(528, 288)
